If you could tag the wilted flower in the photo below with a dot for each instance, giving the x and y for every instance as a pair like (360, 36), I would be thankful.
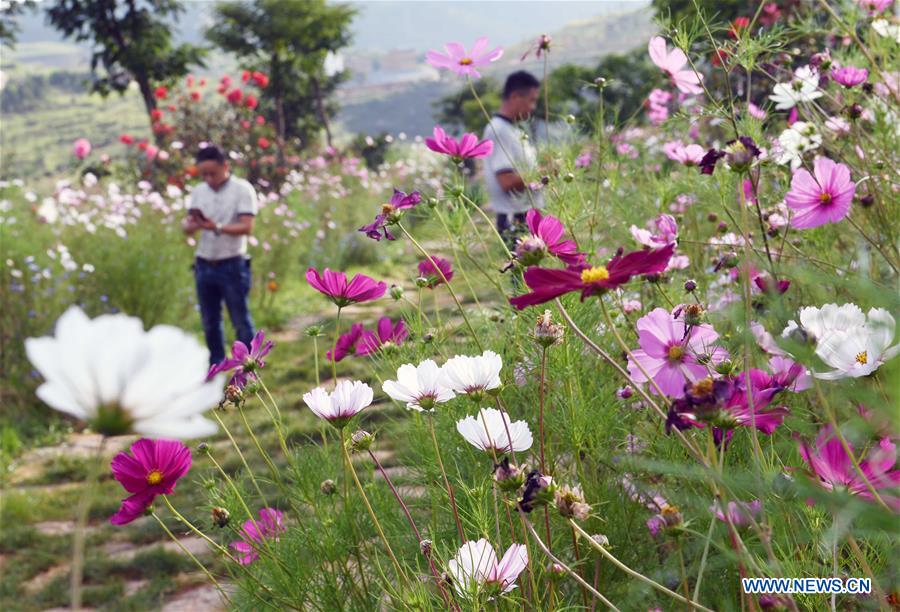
(461, 62)
(488, 430)
(390, 214)
(420, 387)
(342, 404)
(546, 332)
(570, 503)
(121, 379)
(153, 468)
(475, 568)
(220, 517)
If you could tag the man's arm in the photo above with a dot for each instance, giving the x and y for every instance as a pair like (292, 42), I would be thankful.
(190, 225)
(510, 181)
(244, 226)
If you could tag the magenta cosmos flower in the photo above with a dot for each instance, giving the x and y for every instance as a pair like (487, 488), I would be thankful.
(153, 468)
(432, 272)
(660, 231)
(467, 147)
(268, 526)
(547, 284)
(820, 199)
(391, 214)
(360, 288)
(244, 361)
(672, 64)
(81, 148)
(461, 62)
(835, 470)
(387, 334)
(346, 343)
(671, 352)
(850, 76)
(546, 237)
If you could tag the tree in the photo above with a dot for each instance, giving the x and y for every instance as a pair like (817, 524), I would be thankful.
(132, 41)
(289, 40)
(461, 109)
(9, 27)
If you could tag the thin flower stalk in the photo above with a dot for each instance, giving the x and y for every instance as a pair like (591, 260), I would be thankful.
(437, 452)
(226, 600)
(241, 456)
(79, 536)
(449, 287)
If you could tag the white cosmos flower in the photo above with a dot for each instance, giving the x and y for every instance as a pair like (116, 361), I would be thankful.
(342, 404)
(793, 142)
(886, 29)
(488, 429)
(848, 340)
(466, 374)
(804, 87)
(111, 373)
(475, 567)
(419, 386)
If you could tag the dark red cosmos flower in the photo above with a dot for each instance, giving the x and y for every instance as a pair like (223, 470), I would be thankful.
(547, 284)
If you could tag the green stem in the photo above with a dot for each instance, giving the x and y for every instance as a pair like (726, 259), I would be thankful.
(193, 558)
(241, 455)
(437, 452)
(337, 327)
(80, 535)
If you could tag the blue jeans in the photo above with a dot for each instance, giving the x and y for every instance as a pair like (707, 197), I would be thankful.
(226, 280)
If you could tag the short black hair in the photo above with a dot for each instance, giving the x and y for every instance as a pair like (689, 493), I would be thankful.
(519, 81)
(211, 153)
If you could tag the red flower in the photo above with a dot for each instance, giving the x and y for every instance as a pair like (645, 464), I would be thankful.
(195, 96)
(263, 142)
(189, 81)
(161, 92)
(235, 96)
(250, 101)
(737, 26)
(547, 284)
(126, 139)
(156, 115)
(260, 120)
(245, 76)
(261, 79)
(245, 124)
(225, 81)
(171, 108)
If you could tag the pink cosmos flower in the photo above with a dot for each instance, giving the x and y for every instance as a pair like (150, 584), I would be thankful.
(268, 526)
(835, 470)
(361, 288)
(244, 361)
(875, 7)
(689, 155)
(468, 147)
(850, 76)
(739, 514)
(153, 468)
(547, 284)
(81, 148)
(671, 352)
(429, 272)
(658, 106)
(462, 63)
(346, 343)
(672, 64)
(546, 237)
(583, 160)
(388, 334)
(756, 112)
(823, 198)
(663, 231)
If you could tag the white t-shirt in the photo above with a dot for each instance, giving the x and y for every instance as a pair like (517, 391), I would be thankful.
(236, 197)
(512, 151)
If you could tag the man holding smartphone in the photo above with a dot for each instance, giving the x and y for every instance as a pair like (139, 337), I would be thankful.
(222, 208)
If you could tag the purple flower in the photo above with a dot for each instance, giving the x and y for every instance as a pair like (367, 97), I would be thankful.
(346, 343)
(467, 147)
(435, 276)
(152, 469)
(360, 288)
(268, 526)
(388, 334)
(739, 514)
(546, 237)
(820, 199)
(390, 214)
(834, 468)
(461, 62)
(244, 361)
(673, 353)
(850, 76)
(662, 231)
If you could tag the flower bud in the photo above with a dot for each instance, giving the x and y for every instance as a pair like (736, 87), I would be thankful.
(425, 547)
(600, 539)
(722, 227)
(361, 440)
(690, 285)
(431, 202)
(545, 180)
(625, 392)
(530, 250)
(421, 282)
(867, 200)
(568, 177)
(220, 516)
(712, 217)
(539, 491)
(556, 570)
(328, 487)
(570, 119)
(508, 477)
(396, 292)
(600, 82)
(313, 331)
(203, 448)
(234, 394)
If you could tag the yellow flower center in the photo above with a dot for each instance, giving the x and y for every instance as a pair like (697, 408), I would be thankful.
(702, 387)
(466, 61)
(862, 358)
(825, 198)
(676, 352)
(155, 477)
(594, 275)
(387, 209)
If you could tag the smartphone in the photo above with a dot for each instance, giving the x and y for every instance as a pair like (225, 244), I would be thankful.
(196, 213)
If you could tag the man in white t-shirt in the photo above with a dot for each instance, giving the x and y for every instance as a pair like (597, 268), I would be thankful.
(513, 154)
(222, 208)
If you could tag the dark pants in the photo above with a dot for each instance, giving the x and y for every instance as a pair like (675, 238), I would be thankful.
(510, 231)
(225, 280)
